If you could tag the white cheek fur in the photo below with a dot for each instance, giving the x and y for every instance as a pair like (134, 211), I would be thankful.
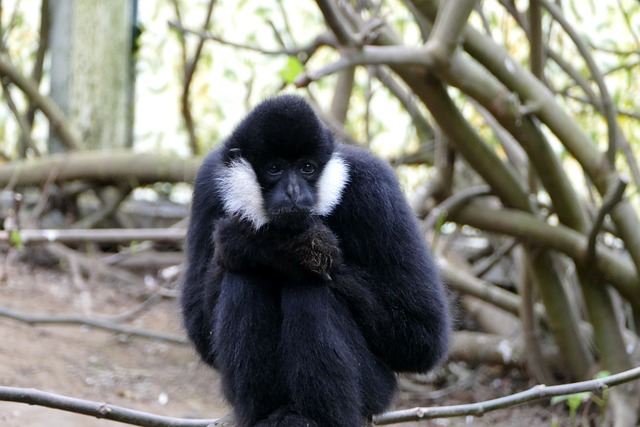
(331, 184)
(241, 194)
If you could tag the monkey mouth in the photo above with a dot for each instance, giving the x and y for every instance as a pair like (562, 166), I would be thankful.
(292, 211)
(291, 218)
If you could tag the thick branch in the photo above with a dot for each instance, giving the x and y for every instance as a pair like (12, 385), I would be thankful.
(447, 29)
(336, 22)
(112, 167)
(613, 268)
(465, 283)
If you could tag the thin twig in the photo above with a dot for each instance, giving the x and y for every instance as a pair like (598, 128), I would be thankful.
(37, 71)
(103, 235)
(20, 120)
(95, 409)
(189, 71)
(454, 201)
(608, 105)
(611, 199)
(484, 266)
(91, 266)
(137, 310)
(321, 40)
(128, 416)
(49, 108)
(106, 325)
(535, 393)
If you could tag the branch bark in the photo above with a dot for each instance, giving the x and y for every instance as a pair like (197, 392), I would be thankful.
(113, 168)
(106, 325)
(535, 393)
(129, 416)
(103, 235)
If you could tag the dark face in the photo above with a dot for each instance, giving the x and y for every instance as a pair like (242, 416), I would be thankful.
(293, 174)
(289, 190)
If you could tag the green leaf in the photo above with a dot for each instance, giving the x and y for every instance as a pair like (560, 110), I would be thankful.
(15, 238)
(291, 70)
(572, 400)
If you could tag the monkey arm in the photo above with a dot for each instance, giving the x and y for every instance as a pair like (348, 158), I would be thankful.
(310, 252)
(385, 253)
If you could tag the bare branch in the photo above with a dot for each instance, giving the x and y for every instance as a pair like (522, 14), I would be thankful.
(447, 29)
(612, 197)
(189, 70)
(453, 202)
(94, 323)
(370, 55)
(537, 51)
(95, 409)
(607, 103)
(103, 235)
(336, 22)
(325, 39)
(129, 416)
(25, 128)
(615, 269)
(535, 393)
(48, 107)
(121, 168)
(38, 66)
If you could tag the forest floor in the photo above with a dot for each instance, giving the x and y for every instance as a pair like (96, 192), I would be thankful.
(161, 377)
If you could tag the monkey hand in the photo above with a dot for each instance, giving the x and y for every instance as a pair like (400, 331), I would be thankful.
(318, 250)
(233, 242)
(240, 247)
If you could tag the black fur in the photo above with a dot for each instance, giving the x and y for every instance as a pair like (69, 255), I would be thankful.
(307, 324)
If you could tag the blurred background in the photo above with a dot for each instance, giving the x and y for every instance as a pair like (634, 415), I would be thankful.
(513, 126)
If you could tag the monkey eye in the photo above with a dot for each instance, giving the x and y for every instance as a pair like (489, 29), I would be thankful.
(308, 168)
(274, 169)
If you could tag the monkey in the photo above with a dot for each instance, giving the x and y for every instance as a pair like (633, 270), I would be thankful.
(308, 284)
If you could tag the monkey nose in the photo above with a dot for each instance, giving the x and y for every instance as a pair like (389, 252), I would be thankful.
(293, 191)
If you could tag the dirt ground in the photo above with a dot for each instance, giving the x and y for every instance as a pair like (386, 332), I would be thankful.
(154, 376)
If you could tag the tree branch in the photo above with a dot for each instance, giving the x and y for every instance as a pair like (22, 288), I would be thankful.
(325, 39)
(614, 268)
(120, 168)
(129, 416)
(612, 197)
(607, 103)
(447, 29)
(535, 393)
(102, 235)
(189, 70)
(48, 107)
(95, 409)
(336, 22)
(95, 323)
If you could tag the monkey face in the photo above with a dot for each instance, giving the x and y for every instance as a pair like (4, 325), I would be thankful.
(280, 166)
